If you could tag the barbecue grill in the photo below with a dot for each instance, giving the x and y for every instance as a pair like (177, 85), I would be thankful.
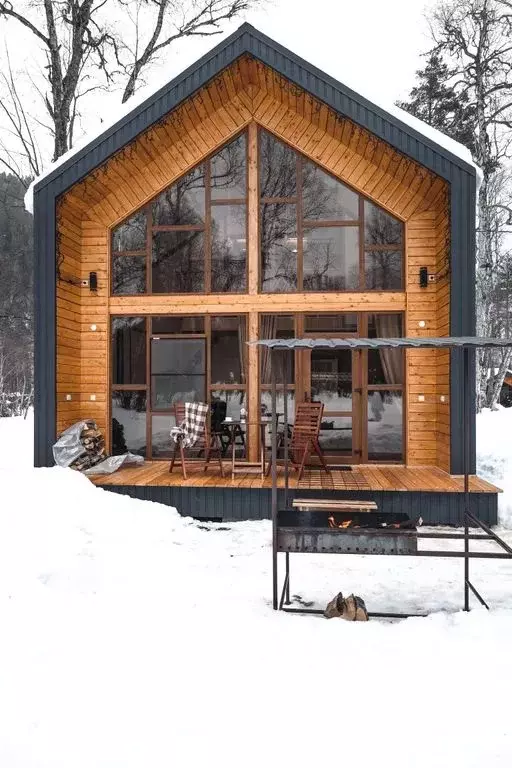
(369, 533)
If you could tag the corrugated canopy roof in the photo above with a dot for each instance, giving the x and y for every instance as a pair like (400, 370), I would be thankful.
(445, 342)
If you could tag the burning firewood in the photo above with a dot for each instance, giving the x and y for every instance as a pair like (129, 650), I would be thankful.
(344, 524)
(350, 608)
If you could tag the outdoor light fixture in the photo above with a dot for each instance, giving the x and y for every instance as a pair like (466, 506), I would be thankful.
(422, 323)
(423, 277)
(93, 281)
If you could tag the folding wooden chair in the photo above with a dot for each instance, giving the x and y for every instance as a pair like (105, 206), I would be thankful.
(305, 434)
(207, 443)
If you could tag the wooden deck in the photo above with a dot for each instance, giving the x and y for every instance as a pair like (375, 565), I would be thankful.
(361, 478)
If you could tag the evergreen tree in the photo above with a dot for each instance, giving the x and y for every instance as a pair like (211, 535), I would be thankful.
(435, 101)
(16, 305)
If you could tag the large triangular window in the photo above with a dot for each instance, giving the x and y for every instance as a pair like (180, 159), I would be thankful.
(315, 233)
(192, 237)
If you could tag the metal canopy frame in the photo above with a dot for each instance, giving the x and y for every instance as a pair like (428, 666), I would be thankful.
(466, 347)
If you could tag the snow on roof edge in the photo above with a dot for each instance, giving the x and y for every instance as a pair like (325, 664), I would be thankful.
(438, 137)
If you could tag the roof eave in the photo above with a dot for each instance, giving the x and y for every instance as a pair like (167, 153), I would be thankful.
(249, 41)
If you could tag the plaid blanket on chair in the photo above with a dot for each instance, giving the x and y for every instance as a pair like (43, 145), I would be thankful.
(193, 428)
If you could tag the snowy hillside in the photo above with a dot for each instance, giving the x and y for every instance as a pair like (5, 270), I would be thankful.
(133, 637)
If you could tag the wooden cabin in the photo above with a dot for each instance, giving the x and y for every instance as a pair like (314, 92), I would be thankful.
(256, 197)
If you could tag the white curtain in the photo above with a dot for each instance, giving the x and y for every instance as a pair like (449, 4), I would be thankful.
(389, 326)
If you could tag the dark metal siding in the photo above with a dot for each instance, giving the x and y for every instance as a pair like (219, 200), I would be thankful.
(246, 40)
(234, 504)
(462, 308)
(45, 387)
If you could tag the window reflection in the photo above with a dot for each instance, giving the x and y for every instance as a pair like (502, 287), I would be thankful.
(178, 324)
(178, 262)
(228, 350)
(336, 434)
(229, 248)
(379, 227)
(178, 372)
(325, 198)
(129, 422)
(305, 243)
(331, 379)
(228, 171)
(128, 274)
(278, 247)
(131, 235)
(383, 270)
(129, 350)
(184, 202)
(322, 323)
(385, 425)
(331, 258)
(278, 168)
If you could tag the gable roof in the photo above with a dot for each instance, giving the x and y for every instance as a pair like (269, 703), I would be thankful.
(400, 130)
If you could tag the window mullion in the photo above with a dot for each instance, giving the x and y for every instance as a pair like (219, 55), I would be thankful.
(149, 248)
(208, 230)
(362, 273)
(300, 228)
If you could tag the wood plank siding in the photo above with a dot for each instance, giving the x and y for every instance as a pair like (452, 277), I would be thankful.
(249, 93)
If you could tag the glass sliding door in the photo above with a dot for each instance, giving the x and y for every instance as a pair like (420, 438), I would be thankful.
(385, 377)
(178, 375)
(129, 387)
(330, 377)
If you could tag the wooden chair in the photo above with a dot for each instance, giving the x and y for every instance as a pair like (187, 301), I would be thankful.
(305, 434)
(206, 444)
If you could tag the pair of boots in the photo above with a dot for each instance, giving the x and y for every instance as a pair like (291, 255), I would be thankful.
(350, 608)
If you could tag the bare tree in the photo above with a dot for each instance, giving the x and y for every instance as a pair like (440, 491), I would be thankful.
(171, 20)
(71, 37)
(84, 49)
(23, 157)
(476, 37)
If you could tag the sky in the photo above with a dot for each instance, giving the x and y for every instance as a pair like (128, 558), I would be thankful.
(373, 46)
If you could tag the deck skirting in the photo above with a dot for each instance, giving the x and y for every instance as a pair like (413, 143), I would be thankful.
(224, 504)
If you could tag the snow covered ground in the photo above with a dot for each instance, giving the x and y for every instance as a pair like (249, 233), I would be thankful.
(134, 637)
(494, 455)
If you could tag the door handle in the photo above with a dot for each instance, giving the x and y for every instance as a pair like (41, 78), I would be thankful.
(358, 390)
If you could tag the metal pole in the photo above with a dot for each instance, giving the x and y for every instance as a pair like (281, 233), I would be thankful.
(466, 437)
(287, 598)
(274, 479)
(285, 409)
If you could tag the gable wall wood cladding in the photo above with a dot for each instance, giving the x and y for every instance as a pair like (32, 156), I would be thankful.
(246, 94)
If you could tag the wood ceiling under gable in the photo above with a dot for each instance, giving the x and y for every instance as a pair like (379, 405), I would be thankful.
(249, 90)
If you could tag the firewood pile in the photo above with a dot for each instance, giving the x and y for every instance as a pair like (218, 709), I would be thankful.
(80, 447)
(93, 443)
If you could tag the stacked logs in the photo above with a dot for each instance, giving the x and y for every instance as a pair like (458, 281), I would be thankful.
(94, 447)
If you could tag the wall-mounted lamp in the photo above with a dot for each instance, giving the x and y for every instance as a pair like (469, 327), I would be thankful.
(93, 281)
(422, 323)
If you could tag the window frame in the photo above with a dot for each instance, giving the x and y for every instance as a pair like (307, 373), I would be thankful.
(147, 389)
(305, 224)
(206, 228)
